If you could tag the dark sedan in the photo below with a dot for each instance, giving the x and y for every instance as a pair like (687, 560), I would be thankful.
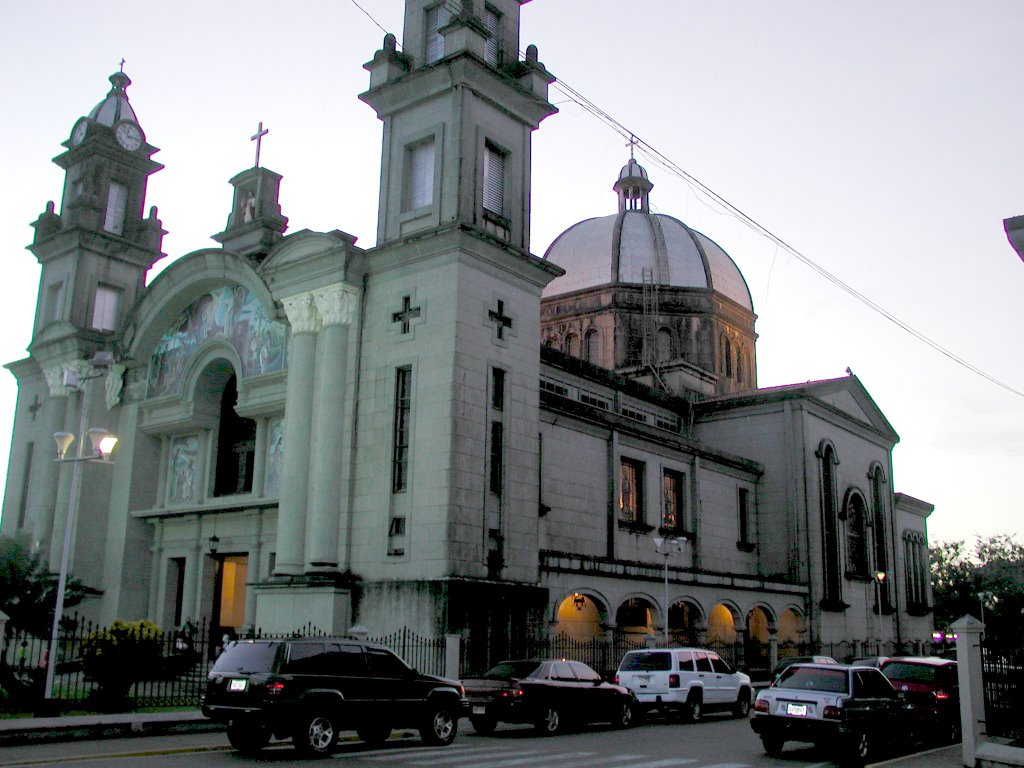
(931, 686)
(547, 693)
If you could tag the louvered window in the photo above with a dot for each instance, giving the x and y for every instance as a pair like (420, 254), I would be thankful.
(433, 46)
(492, 46)
(105, 307)
(117, 202)
(494, 180)
(420, 180)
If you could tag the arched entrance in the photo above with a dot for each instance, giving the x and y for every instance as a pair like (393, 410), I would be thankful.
(685, 622)
(580, 616)
(635, 618)
(756, 649)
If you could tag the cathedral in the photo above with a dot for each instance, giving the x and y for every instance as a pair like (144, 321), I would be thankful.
(446, 431)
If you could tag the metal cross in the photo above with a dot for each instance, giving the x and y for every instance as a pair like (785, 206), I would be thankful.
(258, 138)
(408, 313)
(631, 144)
(500, 319)
(122, 65)
(35, 406)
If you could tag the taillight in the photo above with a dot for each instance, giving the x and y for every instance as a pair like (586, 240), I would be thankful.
(832, 713)
(617, 679)
(761, 705)
(673, 681)
(512, 693)
(940, 695)
(275, 687)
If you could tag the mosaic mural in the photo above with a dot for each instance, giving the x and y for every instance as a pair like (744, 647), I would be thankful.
(230, 313)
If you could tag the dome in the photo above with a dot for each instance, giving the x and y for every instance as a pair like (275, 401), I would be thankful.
(115, 107)
(623, 247)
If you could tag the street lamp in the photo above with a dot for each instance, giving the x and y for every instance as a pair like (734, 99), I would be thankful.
(879, 578)
(102, 446)
(667, 547)
(982, 597)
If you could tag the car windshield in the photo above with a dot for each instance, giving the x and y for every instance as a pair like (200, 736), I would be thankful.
(246, 658)
(814, 679)
(910, 673)
(646, 662)
(512, 670)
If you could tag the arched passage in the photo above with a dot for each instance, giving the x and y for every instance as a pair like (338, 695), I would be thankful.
(580, 616)
(685, 622)
(635, 616)
(757, 650)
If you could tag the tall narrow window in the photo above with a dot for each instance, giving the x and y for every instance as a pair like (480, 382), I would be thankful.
(631, 491)
(419, 175)
(497, 389)
(396, 536)
(856, 536)
(106, 304)
(726, 357)
(878, 530)
(915, 566)
(55, 301)
(672, 511)
(497, 457)
(494, 180)
(433, 45)
(830, 526)
(492, 45)
(743, 515)
(26, 481)
(117, 203)
(400, 446)
(590, 347)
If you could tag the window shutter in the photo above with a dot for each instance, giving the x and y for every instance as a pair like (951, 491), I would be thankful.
(494, 181)
(492, 46)
(433, 44)
(105, 306)
(117, 202)
(421, 175)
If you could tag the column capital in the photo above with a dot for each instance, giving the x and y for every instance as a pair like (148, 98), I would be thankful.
(301, 312)
(336, 303)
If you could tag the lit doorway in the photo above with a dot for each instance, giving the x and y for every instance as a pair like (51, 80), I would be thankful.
(229, 597)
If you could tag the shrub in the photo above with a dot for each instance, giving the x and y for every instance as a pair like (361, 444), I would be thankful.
(119, 655)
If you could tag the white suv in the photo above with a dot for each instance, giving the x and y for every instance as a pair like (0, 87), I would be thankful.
(687, 681)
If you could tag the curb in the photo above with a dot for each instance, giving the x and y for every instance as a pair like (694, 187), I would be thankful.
(27, 730)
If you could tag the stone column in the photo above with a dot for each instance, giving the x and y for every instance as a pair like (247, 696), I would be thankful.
(259, 464)
(255, 574)
(336, 307)
(157, 580)
(298, 425)
(190, 591)
(972, 695)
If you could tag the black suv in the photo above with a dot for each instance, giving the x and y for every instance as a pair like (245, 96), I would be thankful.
(310, 689)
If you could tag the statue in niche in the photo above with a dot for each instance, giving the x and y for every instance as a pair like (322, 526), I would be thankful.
(249, 208)
(183, 453)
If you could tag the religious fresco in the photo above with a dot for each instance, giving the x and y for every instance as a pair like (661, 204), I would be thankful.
(275, 456)
(184, 453)
(231, 313)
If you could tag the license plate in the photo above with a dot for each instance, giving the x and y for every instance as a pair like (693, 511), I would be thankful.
(800, 710)
(479, 710)
(237, 685)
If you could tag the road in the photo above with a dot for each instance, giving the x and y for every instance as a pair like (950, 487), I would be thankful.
(718, 742)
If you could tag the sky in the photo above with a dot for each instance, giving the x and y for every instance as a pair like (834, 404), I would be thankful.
(880, 140)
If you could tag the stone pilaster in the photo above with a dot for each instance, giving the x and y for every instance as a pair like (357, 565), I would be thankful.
(42, 493)
(336, 307)
(298, 425)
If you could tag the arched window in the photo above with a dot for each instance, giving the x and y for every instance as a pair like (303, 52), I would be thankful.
(591, 351)
(236, 446)
(551, 341)
(915, 568)
(726, 364)
(664, 345)
(571, 345)
(741, 365)
(856, 535)
(880, 535)
(832, 597)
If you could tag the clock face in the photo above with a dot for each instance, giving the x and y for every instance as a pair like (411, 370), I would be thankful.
(78, 134)
(128, 135)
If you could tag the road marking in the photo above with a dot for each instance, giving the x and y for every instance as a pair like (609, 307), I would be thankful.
(491, 755)
(668, 762)
(416, 752)
(117, 756)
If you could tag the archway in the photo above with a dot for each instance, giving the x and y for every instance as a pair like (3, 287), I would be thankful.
(722, 635)
(685, 622)
(792, 627)
(635, 617)
(579, 616)
(757, 650)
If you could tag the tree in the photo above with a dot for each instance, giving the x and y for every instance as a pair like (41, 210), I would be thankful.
(990, 573)
(28, 592)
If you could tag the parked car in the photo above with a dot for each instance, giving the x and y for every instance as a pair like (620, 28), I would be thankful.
(787, 661)
(931, 686)
(548, 693)
(869, 661)
(686, 681)
(310, 689)
(844, 709)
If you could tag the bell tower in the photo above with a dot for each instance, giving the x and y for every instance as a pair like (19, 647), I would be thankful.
(95, 253)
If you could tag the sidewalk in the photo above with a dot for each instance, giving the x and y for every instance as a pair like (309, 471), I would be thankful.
(942, 757)
(26, 729)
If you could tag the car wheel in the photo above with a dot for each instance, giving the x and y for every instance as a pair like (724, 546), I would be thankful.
(248, 737)
(440, 725)
(483, 725)
(623, 715)
(694, 709)
(742, 706)
(859, 749)
(316, 733)
(550, 721)
(772, 745)
(374, 734)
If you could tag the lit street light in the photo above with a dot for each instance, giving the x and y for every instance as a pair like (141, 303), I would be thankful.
(102, 446)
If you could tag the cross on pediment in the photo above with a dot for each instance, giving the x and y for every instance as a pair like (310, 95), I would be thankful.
(407, 313)
(500, 319)
(258, 138)
(34, 406)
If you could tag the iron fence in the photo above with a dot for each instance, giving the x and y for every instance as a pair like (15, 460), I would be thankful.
(1003, 685)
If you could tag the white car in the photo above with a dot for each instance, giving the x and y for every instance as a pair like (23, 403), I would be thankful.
(686, 681)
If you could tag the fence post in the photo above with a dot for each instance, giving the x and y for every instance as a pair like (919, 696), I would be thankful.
(3, 635)
(972, 695)
(452, 648)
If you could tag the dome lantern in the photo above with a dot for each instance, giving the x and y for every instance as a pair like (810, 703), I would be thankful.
(633, 187)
